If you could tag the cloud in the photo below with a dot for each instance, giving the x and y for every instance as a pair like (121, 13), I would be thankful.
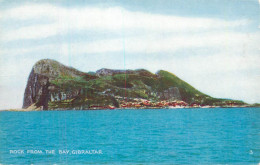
(152, 43)
(63, 20)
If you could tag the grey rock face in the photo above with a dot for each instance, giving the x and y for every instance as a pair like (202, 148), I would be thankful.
(109, 72)
(40, 91)
(171, 93)
(63, 95)
(36, 91)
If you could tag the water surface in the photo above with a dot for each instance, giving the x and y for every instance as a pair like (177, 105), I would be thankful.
(165, 136)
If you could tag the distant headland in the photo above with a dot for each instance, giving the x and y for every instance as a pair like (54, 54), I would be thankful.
(54, 86)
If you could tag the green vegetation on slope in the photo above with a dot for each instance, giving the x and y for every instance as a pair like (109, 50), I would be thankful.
(188, 93)
(72, 88)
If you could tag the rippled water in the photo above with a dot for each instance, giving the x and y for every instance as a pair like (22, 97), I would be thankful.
(181, 136)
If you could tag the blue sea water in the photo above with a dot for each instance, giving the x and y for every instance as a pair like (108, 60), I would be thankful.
(162, 136)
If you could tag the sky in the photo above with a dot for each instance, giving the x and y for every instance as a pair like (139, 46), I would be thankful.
(212, 45)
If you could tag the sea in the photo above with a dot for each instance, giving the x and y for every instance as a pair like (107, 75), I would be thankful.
(148, 136)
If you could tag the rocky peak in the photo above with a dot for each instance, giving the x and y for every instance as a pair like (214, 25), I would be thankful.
(108, 72)
(38, 84)
(52, 68)
(47, 67)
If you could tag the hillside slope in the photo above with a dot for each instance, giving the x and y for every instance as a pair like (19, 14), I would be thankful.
(52, 85)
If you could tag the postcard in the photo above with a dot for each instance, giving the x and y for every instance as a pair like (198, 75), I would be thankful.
(129, 82)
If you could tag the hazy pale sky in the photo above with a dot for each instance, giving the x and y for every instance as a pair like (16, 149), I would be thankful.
(212, 45)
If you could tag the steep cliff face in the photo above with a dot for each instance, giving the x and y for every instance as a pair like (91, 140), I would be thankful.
(36, 91)
(39, 91)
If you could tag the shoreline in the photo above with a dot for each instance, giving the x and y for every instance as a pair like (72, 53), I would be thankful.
(145, 108)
